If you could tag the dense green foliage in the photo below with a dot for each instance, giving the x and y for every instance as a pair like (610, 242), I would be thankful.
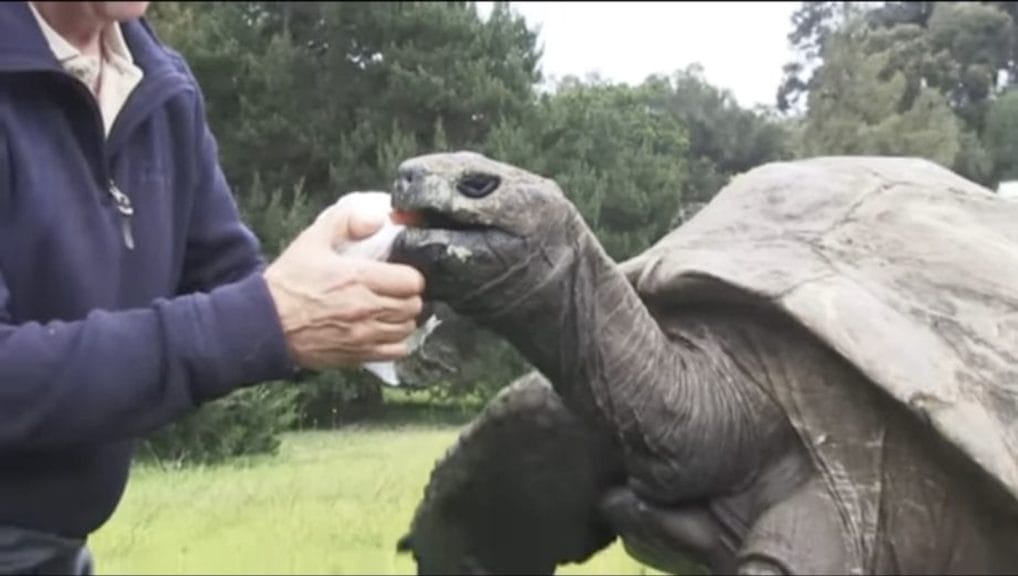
(334, 94)
(906, 78)
(312, 100)
(246, 422)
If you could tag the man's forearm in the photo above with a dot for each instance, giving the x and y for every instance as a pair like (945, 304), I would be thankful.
(115, 375)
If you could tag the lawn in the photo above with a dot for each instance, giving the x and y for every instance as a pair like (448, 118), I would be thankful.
(328, 503)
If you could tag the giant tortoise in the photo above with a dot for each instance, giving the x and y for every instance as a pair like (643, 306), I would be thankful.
(818, 373)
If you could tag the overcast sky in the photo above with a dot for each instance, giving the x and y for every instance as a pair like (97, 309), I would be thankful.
(741, 45)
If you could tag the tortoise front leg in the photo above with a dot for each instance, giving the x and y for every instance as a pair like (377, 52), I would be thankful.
(802, 534)
(673, 539)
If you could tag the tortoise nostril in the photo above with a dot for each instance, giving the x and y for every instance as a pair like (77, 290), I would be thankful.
(477, 185)
(407, 176)
(410, 172)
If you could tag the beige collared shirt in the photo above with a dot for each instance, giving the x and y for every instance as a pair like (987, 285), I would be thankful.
(111, 79)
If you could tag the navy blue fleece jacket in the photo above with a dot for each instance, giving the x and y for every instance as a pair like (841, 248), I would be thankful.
(100, 342)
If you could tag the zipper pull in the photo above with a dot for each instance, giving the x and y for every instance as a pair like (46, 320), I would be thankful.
(123, 206)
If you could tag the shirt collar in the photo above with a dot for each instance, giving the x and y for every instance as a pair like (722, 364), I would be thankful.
(112, 39)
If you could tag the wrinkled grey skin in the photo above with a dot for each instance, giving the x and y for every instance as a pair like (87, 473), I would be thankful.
(480, 514)
(713, 470)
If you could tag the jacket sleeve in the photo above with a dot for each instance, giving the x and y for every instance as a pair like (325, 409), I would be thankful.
(116, 375)
(220, 248)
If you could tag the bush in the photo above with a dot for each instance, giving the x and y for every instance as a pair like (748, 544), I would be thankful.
(461, 361)
(335, 397)
(247, 422)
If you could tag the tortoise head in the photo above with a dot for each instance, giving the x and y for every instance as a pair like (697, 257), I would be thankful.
(476, 227)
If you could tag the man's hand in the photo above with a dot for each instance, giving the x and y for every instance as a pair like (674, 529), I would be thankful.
(338, 311)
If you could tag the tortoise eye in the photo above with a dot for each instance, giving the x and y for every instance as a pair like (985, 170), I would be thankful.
(477, 185)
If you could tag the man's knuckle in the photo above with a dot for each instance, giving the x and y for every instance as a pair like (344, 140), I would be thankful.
(360, 332)
(358, 272)
(392, 351)
(360, 310)
(416, 305)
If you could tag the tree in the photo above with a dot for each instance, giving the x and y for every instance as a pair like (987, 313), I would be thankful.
(970, 44)
(318, 91)
(861, 104)
(965, 51)
(812, 25)
(617, 155)
(965, 45)
(724, 139)
(1001, 136)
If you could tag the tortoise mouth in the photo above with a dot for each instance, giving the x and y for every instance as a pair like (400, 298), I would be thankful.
(428, 218)
(416, 209)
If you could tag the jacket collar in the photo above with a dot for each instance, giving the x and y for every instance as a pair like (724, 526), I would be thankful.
(24, 48)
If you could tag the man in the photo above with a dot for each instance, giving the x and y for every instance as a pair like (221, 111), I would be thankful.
(130, 292)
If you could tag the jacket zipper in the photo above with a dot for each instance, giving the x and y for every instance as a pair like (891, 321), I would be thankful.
(120, 201)
(123, 206)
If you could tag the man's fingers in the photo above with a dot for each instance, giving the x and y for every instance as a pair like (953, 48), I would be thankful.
(388, 279)
(341, 223)
(389, 332)
(386, 352)
(399, 310)
(359, 225)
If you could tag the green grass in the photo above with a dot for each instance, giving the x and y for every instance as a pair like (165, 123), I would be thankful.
(328, 503)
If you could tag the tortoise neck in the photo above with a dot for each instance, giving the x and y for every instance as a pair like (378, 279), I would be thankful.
(584, 326)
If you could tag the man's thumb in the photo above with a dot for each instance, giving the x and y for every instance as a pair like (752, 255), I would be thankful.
(356, 216)
(363, 223)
